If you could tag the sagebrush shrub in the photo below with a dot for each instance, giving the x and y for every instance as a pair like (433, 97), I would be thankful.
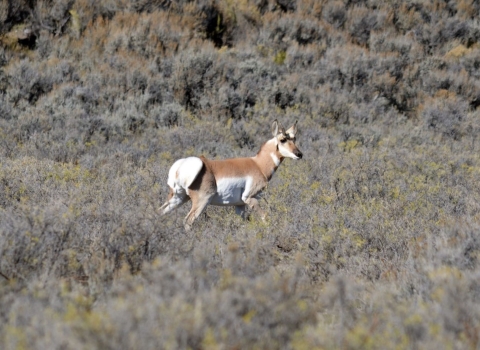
(27, 83)
(446, 116)
(370, 239)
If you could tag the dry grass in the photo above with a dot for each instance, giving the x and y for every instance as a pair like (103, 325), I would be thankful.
(371, 240)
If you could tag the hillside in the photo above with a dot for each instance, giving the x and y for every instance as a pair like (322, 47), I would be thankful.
(371, 240)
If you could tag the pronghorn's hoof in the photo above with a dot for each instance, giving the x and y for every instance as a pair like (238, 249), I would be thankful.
(160, 209)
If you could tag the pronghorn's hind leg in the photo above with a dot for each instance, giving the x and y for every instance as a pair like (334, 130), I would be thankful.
(200, 192)
(198, 206)
(174, 200)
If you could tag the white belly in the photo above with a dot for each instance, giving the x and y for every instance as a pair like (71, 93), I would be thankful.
(231, 190)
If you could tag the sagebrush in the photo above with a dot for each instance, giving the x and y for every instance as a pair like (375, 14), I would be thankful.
(371, 241)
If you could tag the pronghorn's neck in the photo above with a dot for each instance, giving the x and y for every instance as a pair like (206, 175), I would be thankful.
(268, 158)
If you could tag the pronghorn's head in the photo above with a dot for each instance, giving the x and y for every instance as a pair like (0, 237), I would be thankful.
(285, 141)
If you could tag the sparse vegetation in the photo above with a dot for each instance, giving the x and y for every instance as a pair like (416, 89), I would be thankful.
(371, 241)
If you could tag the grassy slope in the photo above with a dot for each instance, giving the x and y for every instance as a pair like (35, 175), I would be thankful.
(371, 240)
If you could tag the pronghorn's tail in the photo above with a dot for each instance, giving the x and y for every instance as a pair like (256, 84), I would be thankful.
(183, 172)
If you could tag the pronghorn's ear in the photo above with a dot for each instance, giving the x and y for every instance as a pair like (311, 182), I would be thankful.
(292, 130)
(275, 128)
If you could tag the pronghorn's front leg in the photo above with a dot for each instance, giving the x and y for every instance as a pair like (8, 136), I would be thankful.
(253, 204)
(250, 193)
(240, 210)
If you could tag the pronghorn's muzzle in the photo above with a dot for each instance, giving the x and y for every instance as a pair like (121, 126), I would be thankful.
(298, 154)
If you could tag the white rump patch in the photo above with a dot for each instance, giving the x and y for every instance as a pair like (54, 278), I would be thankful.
(183, 172)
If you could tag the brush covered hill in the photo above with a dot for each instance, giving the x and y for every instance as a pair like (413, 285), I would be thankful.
(372, 239)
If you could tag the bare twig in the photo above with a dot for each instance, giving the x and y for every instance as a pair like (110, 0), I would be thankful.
(1, 274)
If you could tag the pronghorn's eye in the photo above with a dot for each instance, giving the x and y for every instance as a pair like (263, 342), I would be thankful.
(283, 140)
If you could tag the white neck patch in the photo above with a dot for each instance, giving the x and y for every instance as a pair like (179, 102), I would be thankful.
(275, 159)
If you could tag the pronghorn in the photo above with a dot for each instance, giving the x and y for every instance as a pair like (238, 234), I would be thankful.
(234, 182)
